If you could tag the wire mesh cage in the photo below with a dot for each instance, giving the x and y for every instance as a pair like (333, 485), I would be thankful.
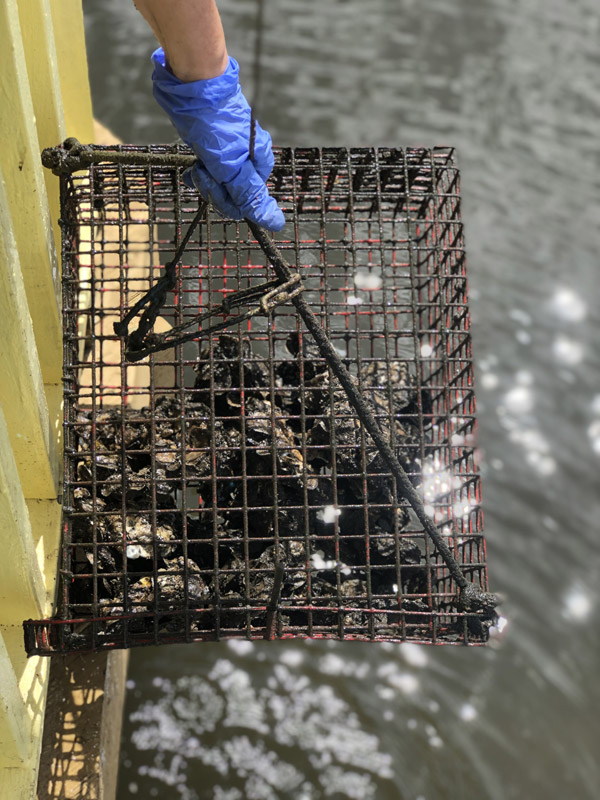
(225, 487)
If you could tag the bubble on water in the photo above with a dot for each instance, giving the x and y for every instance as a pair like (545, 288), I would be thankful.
(577, 605)
(296, 714)
(568, 305)
(333, 664)
(353, 300)
(130, 684)
(411, 724)
(368, 281)
(292, 658)
(436, 741)
(414, 654)
(497, 463)
(489, 380)
(133, 788)
(569, 351)
(426, 351)
(523, 337)
(403, 681)
(329, 514)
(519, 400)
(240, 646)
(468, 712)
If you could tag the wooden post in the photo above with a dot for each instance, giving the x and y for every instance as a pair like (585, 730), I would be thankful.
(80, 748)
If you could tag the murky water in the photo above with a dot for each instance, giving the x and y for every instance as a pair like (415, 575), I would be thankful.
(513, 84)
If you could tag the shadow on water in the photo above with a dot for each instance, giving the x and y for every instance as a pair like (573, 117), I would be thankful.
(513, 85)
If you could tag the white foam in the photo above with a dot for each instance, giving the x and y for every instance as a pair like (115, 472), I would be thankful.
(368, 281)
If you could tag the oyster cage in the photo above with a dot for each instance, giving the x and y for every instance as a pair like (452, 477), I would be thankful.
(225, 488)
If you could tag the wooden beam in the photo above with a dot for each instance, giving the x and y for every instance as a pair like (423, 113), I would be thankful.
(82, 731)
(15, 745)
(42, 68)
(45, 517)
(23, 689)
(22, 590)
(22, 395)
(26, 193)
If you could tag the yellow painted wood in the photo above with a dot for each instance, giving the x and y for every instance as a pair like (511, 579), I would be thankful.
(15, 745)
(67, 19)
(26, 706)
(26, 192)
(44, 82)
(22, 589)
(21, 389)
(45, 517)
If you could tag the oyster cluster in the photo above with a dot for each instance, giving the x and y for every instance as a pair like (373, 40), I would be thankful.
(190, 503)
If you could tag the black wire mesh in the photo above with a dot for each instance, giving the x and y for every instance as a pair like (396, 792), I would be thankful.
(191, 476)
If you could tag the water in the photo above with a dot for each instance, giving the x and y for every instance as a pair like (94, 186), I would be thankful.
(513, 85)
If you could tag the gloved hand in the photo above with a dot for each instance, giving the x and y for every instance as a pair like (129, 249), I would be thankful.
(213, 117)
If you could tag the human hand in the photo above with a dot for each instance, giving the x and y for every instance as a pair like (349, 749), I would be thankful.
(213, 117)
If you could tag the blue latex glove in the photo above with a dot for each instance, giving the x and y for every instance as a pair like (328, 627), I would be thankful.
(213, 117)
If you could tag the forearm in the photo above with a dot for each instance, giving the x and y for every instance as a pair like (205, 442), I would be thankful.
(190, 33)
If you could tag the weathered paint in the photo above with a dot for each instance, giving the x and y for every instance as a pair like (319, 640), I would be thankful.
(44, 83)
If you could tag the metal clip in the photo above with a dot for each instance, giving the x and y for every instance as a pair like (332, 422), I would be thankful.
(280, 294)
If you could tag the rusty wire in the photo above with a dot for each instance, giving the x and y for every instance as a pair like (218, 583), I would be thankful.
(74, 156)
